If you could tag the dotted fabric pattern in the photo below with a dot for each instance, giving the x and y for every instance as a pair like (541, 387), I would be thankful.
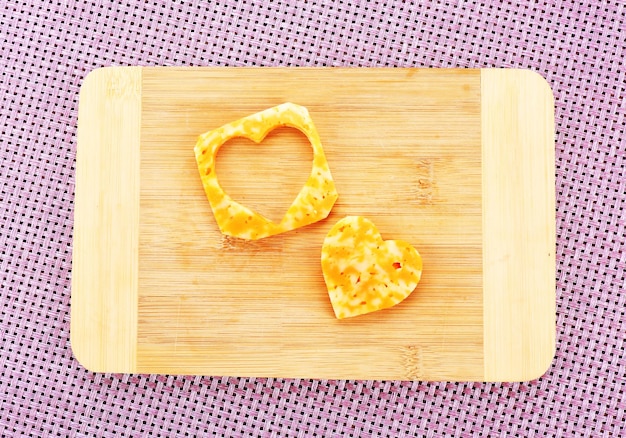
(48, 47)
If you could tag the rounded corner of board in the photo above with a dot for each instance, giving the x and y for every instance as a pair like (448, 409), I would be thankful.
(100, 75)
(81, 353)
(523, 81)
(84, 361)
(543, 367)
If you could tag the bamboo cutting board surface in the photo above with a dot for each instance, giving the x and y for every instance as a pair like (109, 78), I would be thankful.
(460, 163)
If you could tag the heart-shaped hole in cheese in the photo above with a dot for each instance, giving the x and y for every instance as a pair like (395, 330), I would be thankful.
(313, 202)
(362, 272)
(251, 172)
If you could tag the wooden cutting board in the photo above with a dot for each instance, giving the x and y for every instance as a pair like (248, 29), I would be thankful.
(458, 162)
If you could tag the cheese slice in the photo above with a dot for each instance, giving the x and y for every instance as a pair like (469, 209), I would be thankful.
(362, 272)
(312, 204)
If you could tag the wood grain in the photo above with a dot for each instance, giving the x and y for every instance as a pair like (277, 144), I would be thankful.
(405, 147)
(404, 151)
(106, 221)
(520, 225)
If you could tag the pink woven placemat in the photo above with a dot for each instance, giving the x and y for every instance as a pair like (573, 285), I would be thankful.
(48, 47)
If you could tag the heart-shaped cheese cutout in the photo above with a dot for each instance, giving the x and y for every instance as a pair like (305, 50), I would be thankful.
(312, 204)
(363, 273)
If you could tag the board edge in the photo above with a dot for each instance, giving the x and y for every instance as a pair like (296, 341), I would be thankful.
(519, 225)
(103, 323)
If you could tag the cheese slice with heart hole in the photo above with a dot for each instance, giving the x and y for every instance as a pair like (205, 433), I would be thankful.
(363, 273)
(314, 201)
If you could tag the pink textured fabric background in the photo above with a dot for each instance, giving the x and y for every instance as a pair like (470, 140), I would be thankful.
(46, 48)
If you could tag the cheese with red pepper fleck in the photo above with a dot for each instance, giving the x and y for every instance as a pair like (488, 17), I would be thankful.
(312, 204)
(362, 272)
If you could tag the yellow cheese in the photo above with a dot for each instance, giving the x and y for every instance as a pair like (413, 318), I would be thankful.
(363, 273)
(312, 204)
